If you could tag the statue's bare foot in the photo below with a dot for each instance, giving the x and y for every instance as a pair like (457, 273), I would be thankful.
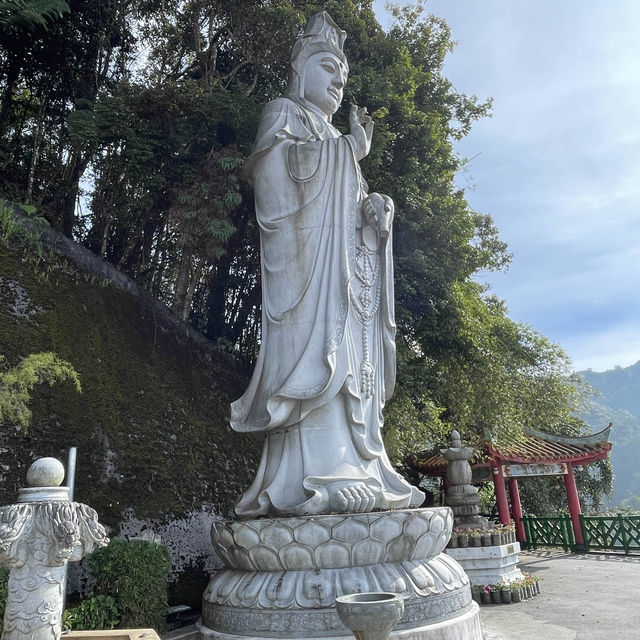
(353, 498)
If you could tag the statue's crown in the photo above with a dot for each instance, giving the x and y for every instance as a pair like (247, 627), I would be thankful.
(321, 33)
(321, 27)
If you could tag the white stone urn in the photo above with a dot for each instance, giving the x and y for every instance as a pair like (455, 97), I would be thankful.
(370, 616)
(38, 536)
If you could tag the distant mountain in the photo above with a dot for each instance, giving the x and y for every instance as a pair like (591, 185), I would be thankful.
(619, 403)
(619, 386)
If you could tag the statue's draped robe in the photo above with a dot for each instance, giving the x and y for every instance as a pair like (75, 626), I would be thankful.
(321, 430)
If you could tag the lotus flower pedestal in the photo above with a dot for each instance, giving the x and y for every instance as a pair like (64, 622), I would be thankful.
(283, 576)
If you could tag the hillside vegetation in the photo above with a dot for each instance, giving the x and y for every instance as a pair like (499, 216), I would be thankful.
(151, 421)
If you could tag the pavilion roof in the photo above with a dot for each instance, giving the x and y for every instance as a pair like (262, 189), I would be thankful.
(532, 446)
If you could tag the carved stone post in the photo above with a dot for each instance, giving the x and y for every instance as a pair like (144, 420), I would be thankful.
(38, 536)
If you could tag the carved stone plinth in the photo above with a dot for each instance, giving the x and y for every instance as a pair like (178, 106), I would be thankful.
(489, 565)
(38, 536)
(283, 574)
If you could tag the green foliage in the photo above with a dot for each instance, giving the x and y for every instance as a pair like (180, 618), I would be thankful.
(28, 14)
(97, 612)
(4, 590)
(135, 574)
(27, 231)
(17, 383)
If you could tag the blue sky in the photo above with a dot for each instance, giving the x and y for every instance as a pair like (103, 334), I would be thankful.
(558, 164)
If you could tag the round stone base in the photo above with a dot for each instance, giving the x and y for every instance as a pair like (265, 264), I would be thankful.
(283, 575)
(465, 626)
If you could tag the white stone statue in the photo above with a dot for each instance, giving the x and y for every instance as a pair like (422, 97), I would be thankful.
(327, 359)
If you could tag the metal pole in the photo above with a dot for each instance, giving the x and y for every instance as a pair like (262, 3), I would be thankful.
(71, 471)
(71, 481)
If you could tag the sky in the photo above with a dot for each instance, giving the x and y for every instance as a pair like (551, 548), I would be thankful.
(557, 165)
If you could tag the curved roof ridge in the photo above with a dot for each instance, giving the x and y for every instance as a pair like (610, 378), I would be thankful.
(594, 438)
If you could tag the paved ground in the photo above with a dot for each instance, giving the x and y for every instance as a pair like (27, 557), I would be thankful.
(583, 597)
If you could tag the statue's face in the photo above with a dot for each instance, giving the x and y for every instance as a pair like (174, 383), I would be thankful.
(324, 78)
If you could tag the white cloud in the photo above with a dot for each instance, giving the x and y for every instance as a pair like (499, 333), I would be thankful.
(617, 345)
(559, 162)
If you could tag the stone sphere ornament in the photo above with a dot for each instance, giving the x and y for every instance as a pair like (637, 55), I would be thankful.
(45, 472)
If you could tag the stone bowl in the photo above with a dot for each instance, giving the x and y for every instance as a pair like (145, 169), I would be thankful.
(370, 616)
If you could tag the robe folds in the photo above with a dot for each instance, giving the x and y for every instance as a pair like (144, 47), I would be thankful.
(321, 430)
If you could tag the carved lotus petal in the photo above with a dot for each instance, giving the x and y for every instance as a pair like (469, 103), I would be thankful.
(356, 580)
(224, 556)
(246, 537)
(350, 530)
(281, 590)
(415, 526)
(295, 556)
(224, 588)
(265, 559)
(424, 579)
(399, 549)
(368, 552)
(457, 577)
(240, 559)
(446, 576)
(386, 528)
(316, 591)
(248, 591)
(428, 545)
(332, 555)
(222, 535)
(276, 536)
(313, 533)
(437, 524)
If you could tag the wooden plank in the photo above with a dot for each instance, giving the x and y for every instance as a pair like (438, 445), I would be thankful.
(116, 634)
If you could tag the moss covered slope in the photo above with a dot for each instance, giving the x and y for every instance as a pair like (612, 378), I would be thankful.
(151, 423)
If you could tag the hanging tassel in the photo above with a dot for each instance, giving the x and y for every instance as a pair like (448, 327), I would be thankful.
(367, 379)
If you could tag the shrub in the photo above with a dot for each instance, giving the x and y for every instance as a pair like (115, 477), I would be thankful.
(4, 590)
(98, 612)
(135, 575)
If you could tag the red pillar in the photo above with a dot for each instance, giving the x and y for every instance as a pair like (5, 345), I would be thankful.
(516, 508)
(501, 493)
(574, 505)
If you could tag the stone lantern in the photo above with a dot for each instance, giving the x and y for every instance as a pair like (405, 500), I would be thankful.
(461, 495)
(38, 536)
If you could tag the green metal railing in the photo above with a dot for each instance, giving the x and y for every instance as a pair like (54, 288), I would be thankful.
(549, 532)
(602, 533)
(617, 533)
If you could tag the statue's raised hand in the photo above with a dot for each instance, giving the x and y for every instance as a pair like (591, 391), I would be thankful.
(361, 130)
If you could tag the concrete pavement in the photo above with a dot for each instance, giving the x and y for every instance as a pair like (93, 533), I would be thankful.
(583, 597)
